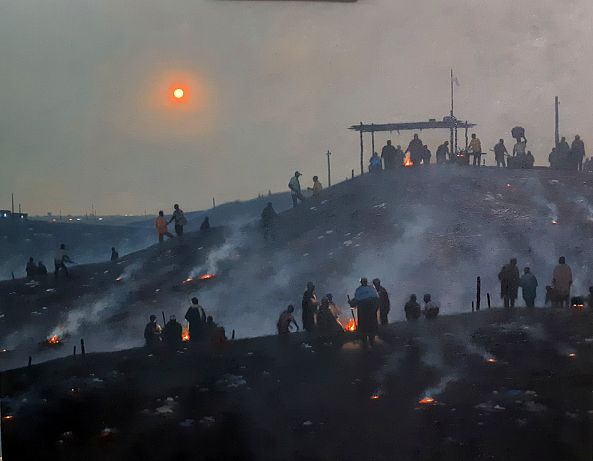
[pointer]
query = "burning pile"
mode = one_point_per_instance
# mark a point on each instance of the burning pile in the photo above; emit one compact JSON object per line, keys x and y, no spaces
{"x":53,"y":341}
{"x":408,"y":160}
{"x":191,"y":280}
{"x":185,"y":334}
{"x":427,"y":401}
{"x":350,"y":326}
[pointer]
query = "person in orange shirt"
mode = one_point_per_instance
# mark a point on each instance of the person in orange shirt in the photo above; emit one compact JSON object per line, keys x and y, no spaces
{"x":161,"y":227}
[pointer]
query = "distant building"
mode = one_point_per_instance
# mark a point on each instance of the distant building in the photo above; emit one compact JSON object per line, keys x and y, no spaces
{"x":7,"y":214}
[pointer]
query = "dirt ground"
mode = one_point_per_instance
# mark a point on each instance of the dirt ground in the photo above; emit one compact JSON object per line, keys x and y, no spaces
{"x":507,"y":385}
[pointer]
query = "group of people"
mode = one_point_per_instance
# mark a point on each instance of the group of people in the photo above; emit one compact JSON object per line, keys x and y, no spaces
{"x":568,"y":157}
{"x":296,"y":193}
{"x":201,"y":329}
{"x":180,"y":221}
{"x":35,"y":270}
{"x":558,"y":293}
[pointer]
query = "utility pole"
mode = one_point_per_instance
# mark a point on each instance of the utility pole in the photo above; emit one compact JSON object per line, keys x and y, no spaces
{"x":557,"y":122}
{"x":361,"y":152}
{"x":12,"y":207}
{"x":329,"y":170}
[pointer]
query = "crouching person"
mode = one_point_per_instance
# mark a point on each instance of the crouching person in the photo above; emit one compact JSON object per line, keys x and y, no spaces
{"x":431,"y":309}
{"x":285,"y":320}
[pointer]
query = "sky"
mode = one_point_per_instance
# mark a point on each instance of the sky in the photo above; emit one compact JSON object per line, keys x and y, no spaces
{"x":87,"y":117}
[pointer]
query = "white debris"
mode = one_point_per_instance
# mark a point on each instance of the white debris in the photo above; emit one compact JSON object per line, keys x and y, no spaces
{"x":305,"y":254}
{"x":307,"y":423}
{"x":50,"y":290}
{"x":306,"y":346}
{"x":313,"y":208}
{"x":348,"y":243}
{"x":164,"y":410}
{"x":321,"y":237}
{"x":328,"y":232}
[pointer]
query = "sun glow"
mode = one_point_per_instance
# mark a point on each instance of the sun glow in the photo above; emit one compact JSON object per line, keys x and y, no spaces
{"x":178,"y":93}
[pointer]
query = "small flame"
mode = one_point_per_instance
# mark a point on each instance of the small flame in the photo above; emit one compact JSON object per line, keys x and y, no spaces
{"x":578,"y":306}
{"x":491,"y":360}
{"x":375,"y":397}
{"x":350,"y":326}
{"x":185,"y":334}
{"x":53,"y":339}
{"x":7,"y":417}
{"x":408,"y":160}
{"x":572,"y":355}
{"x":427,"y":401}
{"x":207,"y":276}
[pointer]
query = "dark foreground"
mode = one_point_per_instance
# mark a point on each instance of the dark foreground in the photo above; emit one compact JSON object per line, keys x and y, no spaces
{"x":311,"y":399}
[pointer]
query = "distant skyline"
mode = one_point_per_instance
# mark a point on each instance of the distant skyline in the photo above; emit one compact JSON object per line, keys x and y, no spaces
{"x":87,"y":114}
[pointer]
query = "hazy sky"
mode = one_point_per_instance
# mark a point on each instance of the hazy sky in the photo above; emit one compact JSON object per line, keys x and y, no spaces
{"x":86,"y":114}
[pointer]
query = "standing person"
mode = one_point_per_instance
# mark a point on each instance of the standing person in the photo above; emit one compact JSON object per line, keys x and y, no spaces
{"x":475,"y":147}
{"x":309,"y":306}
{"x":268,"y":216}
{"x":426,"y":155}
{"x":205,"y":224}
{"x":509,"y":283}
{"x":529,"y":160}
{"x":31,"y":268}
{"x":285,"y":320}
{"x":562,"y":281}
{"x":500,"y":150}
{"x":196,"y":316}
{"x":366,"y":301}
{"x":326,"y":322}
{"x":431,"y":309}
{"x":412,"y":309}
{"x":442,"y":153}
{"x":317,"y":187}
{"x":578,"y":151}
{"x":399,"y":156}
{"x":415,"y":148}
{"x":333,"y":307}
{"x":528,"y":284}
{"x":161,"y":227}
{"x":563,"y":151}
{"x":375,"y":163}
{"x":60,"y":260}
{"x":152,"y":333}
{"x":41,"y":269}
{"x":384,"y":304}
{"x":179,"y":219}
{"x":172,"y":334}
{"x":553,"y":159}
{"x":389,"y":156}
{"x":295,"y":189}
{"x":114,"y":254}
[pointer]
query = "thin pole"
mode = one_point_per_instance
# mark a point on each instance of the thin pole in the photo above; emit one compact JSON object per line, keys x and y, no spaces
{"x":557,"y":122}
{"x":373,"y":139}
{"x":12,"y":208}
{"x":451,"y":92}
{"x":361,"y":152}
{"x":329,"y":170}
{"x":466,"y":140}
{"x":478,"y":293}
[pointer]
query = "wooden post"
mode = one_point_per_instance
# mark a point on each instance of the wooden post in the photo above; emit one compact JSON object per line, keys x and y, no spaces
{"x":353,"y":173}
{"x":478,"y":293}
{"x":233,"y":335}
{"x":213,"y":203}
{"x":556,"y":121}
{"x":164,"y":321}
{"x":82,"y":350}
{"x":373,"y":139}
{"x":466,"y":139}
{"x":74,"y":351}
{"x":30,"y":360}
{"x":361,"y":152}
{"x":488,"y":298}
{"x":329,"y":170}
{"x":473,"y":306}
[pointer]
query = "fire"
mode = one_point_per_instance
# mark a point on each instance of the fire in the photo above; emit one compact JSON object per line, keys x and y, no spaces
{"x":375,"y":397}
{"x":206,"y":276}
{"x":185,"y":334}
{"x":188,"y":280}
{"x":53,"y":339}
{"x":554,"y":221}
{"x":579,"y":307}
{"x":427,"y":401}
{"x":408,"y":160}
{"x":7,"y":417}
{"x":350,"y":326}
{"x":491,"y":360}
{"x":572,"y":355}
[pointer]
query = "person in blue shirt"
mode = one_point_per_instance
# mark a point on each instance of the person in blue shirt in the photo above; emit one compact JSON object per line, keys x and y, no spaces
{"x":366,"y":301}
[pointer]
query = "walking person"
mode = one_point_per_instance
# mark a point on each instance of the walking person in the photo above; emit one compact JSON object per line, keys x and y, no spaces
{"x":562,"y":281}
{"x":384,"y":303}
{"x":60,"y":260}
{"x":528,"y":284}
{"x":161,"y":227}
{"x":500,"y":150}
{"x":295,"y":189}
{"x":475,"y":147}
{"x":509,"y":283}
{"x":179,"y":219}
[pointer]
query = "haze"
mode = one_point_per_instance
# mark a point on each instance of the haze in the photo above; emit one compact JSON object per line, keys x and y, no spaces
{"x":84,"y":85}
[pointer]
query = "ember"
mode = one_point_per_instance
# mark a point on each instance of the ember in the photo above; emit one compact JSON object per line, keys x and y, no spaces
{"x":53,"y":340}
{"x":491,"y":360}
{"x":427,"y":401}
{"x":7,"y":417}
{"x":188,"y":280}
{"x":375,"y":397}
{"x":408,"y":160}
{"x":206,"y":276}
{"x":350,"y":326}
{"x":185,"y":334}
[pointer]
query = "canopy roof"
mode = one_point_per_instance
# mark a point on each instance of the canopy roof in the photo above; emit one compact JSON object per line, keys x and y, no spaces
{"x":447,"y":123}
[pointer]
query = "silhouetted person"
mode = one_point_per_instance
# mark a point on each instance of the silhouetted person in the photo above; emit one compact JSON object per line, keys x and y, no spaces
{"x":285,"y":320}
{"x":172,"y":332}
{"x":389,"y":156}
{"x":309,"y":306}
{"x":553,"y":159}
{"x":509,"y":283}
{"x":578,"y":151}
{"x":326,"y":322}
{"x":366,"y":301}
{"x":442,"y":153}
{"x":500,"y":150}
{"x":31,"y":268}
{"x":475,"y":147}
{"x":562,"y":281}
{"x":152,"y":333}
{"x":60,"y":260}
{"x":41,"y":269}
{"x":415,"y":148}
{"x":317,"y":187}
{"x":412,"y":309}
{"x":399,"y":156}
{"x":375,"y":163}
{"x":161,"y":227}
{"x":333,"y":307}
{"x":196,"y":316}
{"x":431,"y":309}
{"x":528,"y":284}
{"x":529,"y":160}
{"x":384,"y":303}
{"x":268,"y":218}
{"x":295,"y":189}
{"x":114,"y":254}
{"x":205,"y":224}
{"x":563,"y":151}
{"x":179,"y":219}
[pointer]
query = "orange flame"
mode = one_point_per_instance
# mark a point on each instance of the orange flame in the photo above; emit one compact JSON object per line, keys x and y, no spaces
{"x":408,"y":160}
{"x":7,"y":417}
{"x":350,"y":326}
{"x":185,"y":334}
{"x":53,"y":340}
{"x":491,"y":360}
{"x":207,"y":276}
{"x":427,"y":401}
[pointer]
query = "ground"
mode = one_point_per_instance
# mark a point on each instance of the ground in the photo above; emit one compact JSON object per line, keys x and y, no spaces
{"x":507,"y":385}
